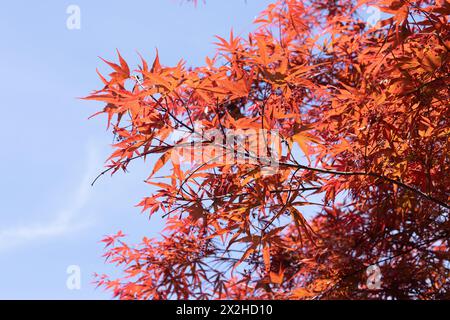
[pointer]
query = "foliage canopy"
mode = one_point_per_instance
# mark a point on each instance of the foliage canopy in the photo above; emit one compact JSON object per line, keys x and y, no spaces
{"x":363,"y":119}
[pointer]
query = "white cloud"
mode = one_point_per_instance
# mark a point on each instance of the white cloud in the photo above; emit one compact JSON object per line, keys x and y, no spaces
{"x":65,"y":221}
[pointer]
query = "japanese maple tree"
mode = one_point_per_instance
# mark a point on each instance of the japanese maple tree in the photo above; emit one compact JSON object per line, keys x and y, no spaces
{"x":361,"y":113}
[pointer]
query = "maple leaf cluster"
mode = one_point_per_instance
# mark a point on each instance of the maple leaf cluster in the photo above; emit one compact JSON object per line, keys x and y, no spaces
{"x":363,"y":116}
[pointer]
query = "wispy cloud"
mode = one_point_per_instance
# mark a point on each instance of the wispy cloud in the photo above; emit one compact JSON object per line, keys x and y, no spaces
{"x":64,"y":221}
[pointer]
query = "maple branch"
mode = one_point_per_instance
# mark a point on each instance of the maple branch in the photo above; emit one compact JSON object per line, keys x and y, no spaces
{"x":423,"y":85}
{"x":126,"y":161}
{"x":171,"y":115}
{"x":432,"y":22}
{"x":141,"y":85}
{"x":195,"y":170}
{"x":283,"y":208}
{"x":370,"y":174}
{"x":245,"y":194}
{"x":445,"y":235}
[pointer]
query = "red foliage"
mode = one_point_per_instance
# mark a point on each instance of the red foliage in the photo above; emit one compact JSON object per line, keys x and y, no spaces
{"x":362,"y":114}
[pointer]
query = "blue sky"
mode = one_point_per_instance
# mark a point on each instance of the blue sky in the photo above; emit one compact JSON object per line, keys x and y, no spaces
{"x":50,"y":215}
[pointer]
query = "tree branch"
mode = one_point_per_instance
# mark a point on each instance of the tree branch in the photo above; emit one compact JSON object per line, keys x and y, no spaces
{"x":370,"y":174}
